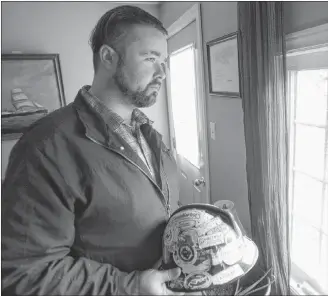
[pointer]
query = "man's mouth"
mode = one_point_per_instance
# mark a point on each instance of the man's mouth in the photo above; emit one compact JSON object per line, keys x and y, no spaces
{"x":155,"y":85}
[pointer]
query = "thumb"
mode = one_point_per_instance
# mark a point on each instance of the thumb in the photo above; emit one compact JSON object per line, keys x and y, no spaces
{"x":170,"y":274}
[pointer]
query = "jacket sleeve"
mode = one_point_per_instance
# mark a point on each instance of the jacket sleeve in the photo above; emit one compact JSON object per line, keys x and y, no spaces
{"x":38,"y":232}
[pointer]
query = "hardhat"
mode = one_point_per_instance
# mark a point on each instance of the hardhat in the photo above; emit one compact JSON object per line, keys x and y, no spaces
{"x":210,"y":246}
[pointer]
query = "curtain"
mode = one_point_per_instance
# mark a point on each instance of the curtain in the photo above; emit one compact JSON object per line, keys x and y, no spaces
{"x":263,"y":84}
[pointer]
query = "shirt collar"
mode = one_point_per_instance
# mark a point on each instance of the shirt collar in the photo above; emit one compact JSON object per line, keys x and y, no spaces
{"x":111,"y":118}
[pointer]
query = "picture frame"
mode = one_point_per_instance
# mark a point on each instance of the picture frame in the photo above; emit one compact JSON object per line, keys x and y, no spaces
{"x":224,"y":66}
{"x":32,"y":87}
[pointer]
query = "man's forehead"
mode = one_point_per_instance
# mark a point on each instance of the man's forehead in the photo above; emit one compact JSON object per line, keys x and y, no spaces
{"x":138,"y":31}
{"x":147,"y":39}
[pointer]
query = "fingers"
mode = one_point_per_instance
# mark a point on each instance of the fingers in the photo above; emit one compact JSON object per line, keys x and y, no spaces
{"x":195,"y":293}
{"x":158,"y":264}
{"x":172,"y":293}
{"x":169,"y":275}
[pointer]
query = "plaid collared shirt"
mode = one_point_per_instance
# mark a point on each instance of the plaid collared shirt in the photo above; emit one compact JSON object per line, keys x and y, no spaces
{"x":131,"y":134}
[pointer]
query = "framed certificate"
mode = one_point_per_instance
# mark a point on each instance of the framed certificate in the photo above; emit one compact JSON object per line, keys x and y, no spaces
{"x":223,"y":65}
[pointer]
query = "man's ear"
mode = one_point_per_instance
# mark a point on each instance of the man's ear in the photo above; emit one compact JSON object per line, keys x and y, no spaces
{"x":108,"y":56}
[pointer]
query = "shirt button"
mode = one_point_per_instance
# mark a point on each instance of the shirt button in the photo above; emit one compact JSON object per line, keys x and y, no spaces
{"x":121,"y":148}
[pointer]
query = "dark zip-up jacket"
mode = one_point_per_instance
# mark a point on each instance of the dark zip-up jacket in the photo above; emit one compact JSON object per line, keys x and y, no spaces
{"x":78,"y":210}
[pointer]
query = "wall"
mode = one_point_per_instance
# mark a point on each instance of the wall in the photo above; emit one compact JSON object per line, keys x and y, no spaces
{"x":227,"y":154}
{"x":64,"y":28}
{"x":303,"y":15}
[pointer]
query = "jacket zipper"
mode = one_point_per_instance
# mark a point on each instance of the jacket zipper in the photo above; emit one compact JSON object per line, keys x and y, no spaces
{"x":166,"y":204}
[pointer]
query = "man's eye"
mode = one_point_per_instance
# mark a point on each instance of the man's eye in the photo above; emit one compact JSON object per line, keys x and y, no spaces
{"x":151,"y":60}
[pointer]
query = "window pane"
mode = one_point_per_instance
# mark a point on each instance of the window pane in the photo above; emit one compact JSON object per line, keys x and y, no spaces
{"x":183,"y":94}
{"x":323,"y":274}
{"x":311,"y":101}
{"x":305,"y":247}
{"x":309,"y":150}
{"x":325,"y":212}
{"x":308,"y":195}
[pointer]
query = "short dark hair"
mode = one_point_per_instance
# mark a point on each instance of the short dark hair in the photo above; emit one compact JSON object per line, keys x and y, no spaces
{"x":114,"y":22}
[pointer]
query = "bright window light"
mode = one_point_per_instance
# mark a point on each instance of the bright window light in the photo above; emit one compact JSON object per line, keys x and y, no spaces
{"x":183,"y":98}
{"x":309,"y":178}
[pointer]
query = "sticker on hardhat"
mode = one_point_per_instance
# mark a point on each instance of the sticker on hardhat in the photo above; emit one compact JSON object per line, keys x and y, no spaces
{"x":230,"y":236}
{"x":250,"y":252}
{"x":177,"y":284}
{"x":198,"y":281}
{"x":227,"y":275}
{"x":168,"y":236}
{"x":192,"y":215}
{"x":210,"y":240}
{"x":189,"y":236}
{"x":201,"y":267}
{"x":185,"y":224}
{"x":185,"y":254}
{"x":216,"y":257}
{"x":232,"y":252}
{"x":224,"y":228}
{"x":208,"y":225}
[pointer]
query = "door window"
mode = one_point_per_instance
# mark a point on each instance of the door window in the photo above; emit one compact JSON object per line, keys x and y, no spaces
{"x":183,"y":94}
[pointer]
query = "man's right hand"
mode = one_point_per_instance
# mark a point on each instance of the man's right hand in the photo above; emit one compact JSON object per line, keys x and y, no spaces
{"x":152,"y":281}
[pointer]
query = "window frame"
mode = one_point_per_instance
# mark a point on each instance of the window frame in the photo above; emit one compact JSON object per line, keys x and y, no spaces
{"x":309,"y":39}
{"x":301,"y":282}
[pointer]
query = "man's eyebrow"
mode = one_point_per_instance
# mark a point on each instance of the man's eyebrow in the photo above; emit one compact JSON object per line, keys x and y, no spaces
{"x":153,"y":52}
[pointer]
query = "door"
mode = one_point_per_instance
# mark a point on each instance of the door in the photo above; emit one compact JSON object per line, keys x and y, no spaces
{"x":187,"y":107}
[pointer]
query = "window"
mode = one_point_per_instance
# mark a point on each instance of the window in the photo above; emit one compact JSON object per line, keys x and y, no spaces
{"x":308,"y":192}
{"x":184,"y":103}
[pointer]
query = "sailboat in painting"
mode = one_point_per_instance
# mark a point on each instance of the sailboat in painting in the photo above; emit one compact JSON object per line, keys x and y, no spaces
{"x":24,"y":113}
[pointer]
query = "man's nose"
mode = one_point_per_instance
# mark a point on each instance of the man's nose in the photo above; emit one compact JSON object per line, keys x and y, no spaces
{"x":160,"y":72}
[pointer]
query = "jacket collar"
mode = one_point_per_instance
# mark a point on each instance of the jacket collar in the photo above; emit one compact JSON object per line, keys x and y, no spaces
{"x":97,"y":129}
{"x":94,"y":126}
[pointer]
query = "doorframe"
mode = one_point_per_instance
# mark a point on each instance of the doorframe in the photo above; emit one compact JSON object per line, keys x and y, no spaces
{"x":193,"y":14}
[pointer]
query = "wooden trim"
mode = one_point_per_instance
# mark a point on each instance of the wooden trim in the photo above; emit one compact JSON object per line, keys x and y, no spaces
{"x":315,"y":35}
{"x":203,"y":100}
{"x":183,"y":21}
{"x":322,"y":29}
{"x":308,"y":50}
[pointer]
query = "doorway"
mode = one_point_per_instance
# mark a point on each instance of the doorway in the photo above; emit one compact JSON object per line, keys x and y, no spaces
{"x":187,"y":106}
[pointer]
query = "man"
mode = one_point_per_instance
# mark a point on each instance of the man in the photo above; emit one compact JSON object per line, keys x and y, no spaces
{"x":89,"y":188}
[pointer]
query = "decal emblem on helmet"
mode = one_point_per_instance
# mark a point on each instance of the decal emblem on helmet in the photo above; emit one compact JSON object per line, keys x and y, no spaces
{"x":186,"y":253}
{"x":198,"y":281}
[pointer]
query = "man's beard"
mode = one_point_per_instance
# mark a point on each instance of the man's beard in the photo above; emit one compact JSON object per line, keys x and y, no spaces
{"x":138,"y":98}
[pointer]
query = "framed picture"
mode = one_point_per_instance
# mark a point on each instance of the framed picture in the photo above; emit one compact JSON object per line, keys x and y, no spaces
{"x":223,"y":66}
{"x":32,"y":87}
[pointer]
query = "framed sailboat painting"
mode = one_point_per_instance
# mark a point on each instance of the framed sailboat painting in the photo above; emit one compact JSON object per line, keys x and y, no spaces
{"x":32,"y":87}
